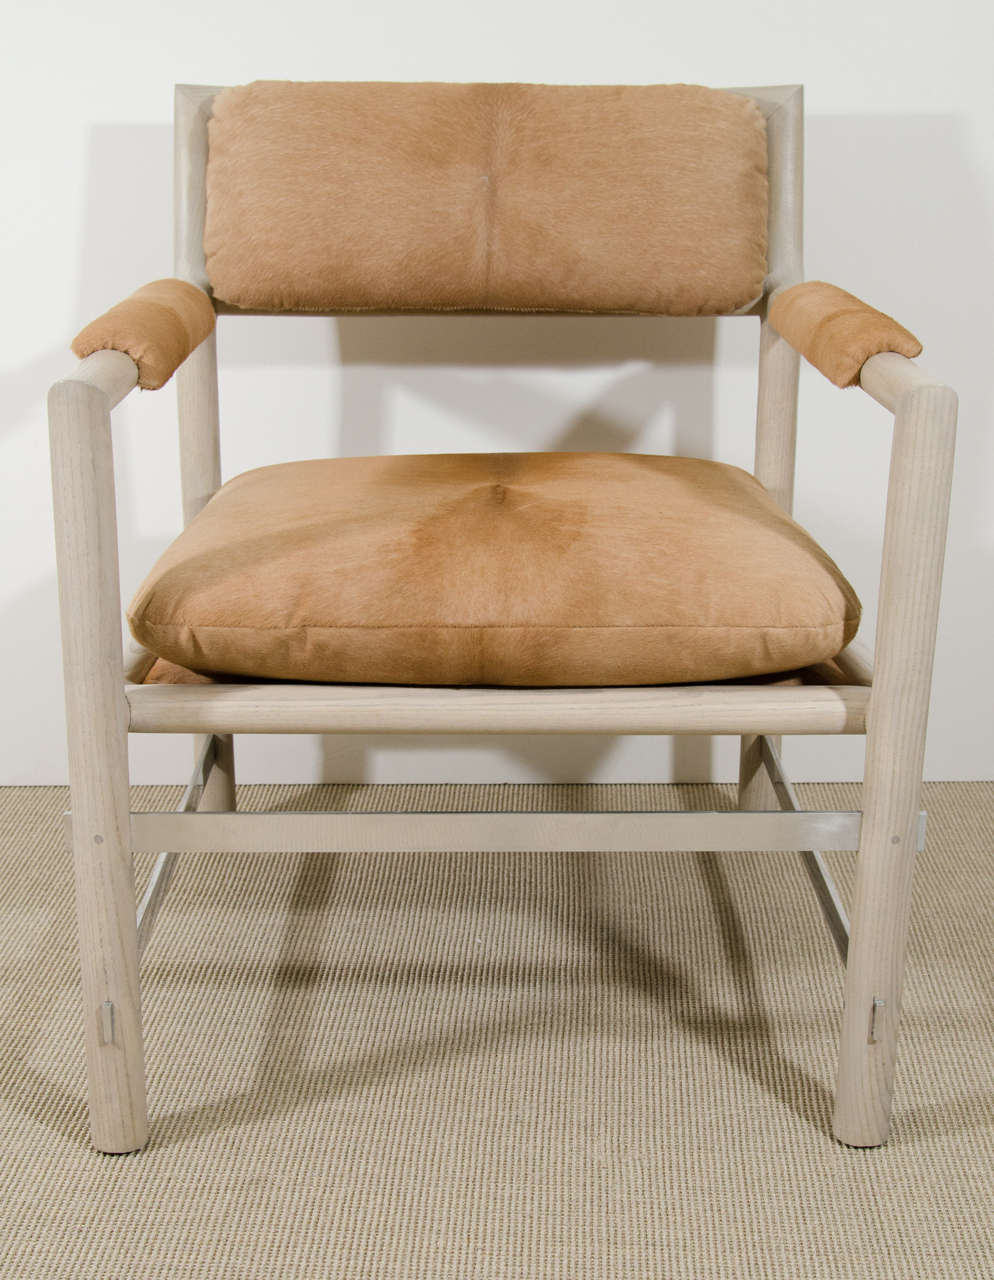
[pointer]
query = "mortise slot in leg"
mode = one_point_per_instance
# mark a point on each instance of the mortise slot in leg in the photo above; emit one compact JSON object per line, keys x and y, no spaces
{"x":877,"y":1008}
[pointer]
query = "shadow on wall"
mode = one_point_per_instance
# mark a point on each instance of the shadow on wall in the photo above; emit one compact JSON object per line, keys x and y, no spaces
{"x":126,"y":240}
{"x":871,"y":226}
{"x":896,"y":211}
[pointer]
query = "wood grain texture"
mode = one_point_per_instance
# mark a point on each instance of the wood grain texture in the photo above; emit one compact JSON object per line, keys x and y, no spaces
{"x":776,"y":415}
{"x":856,"y":663}
{"x":319,"y":708}
{"x":97,"y":719}
{"x":888,"y":377}
{"x":914,"y":545}
{"x":755,"y":788}
{"x":199,"y":428}
{"x":191,"y":113}
{"x":779,"y":364}
{"x":197,"y":386}
{"x":111,"y":373}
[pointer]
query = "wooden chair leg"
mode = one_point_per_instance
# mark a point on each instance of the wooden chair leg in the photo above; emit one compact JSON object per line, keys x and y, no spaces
{"x":219,"y":793}
{"x":755,"y":788}
{"x":108,"y":945}
{"x":97,"y":729}
{"x":876,"y":960}
{"x":917,"y":512}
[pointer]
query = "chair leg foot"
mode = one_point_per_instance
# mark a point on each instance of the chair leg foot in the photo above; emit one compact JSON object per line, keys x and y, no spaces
{"x":111,"y":997}
{"x":874,"y":974}
{"x":866,"y":1075}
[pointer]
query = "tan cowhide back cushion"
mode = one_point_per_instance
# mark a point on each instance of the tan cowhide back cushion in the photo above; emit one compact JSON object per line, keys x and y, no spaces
{"x":344,"y":197}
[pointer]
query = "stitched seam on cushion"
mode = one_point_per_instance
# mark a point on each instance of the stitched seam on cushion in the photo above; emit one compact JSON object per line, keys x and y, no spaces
{"x":504,"y":626}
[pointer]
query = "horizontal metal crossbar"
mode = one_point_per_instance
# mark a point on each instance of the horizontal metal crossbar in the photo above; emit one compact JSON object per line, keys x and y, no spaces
{"x":492,"y":832}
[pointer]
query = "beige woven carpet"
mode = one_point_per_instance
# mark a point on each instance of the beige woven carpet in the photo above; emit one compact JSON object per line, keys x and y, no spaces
{"x":511,"y":1066}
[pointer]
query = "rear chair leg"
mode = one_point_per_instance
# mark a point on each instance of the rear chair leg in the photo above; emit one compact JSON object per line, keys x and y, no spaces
{"x":755,"y":788}
{"x":219,"y":793}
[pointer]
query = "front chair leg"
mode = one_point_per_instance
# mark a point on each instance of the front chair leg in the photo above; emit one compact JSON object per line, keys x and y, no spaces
{"x":108,"y":945}
{"x":875,"y":970}
{"x":914,"y":538}
{"x":97,"y":729}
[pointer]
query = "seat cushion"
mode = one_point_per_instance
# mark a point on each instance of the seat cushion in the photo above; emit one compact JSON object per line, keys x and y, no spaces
{"x":546,"y":569}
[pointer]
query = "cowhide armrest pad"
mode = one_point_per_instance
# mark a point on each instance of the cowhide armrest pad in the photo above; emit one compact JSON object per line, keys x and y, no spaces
{"x":835,"y":331}
{"x":158,"y":326}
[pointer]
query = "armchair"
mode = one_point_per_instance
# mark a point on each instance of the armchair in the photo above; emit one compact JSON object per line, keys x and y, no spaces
{"x":509,"y":215}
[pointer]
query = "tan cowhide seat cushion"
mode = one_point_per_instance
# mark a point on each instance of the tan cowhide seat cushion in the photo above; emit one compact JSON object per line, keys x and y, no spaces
{"x":499,"y":569}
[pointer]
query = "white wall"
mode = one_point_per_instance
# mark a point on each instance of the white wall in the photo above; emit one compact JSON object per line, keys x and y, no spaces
{"x":899,"y":196}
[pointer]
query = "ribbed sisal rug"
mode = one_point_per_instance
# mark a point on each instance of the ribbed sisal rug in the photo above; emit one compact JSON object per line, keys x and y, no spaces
{"x":509,"y":1066}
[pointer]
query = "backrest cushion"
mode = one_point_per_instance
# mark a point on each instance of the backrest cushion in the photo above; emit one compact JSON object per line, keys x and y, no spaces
{"x":344,"y":197}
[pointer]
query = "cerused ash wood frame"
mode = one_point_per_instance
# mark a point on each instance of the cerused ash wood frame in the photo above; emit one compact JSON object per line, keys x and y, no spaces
{"x":887,"y":700}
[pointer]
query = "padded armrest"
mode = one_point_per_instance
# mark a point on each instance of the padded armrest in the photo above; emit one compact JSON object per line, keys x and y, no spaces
{"x":835,"y":331}
{"x":157,"y":326}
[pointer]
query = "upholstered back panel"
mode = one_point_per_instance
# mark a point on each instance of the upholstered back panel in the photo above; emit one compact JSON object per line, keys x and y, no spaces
{"x":346,"y":197}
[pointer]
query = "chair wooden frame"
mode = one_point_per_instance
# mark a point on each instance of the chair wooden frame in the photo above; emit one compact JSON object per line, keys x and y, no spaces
{"x":886,"y":699}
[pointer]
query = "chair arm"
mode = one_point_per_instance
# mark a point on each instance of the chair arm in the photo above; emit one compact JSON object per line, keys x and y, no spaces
{"x":112,"y":373}
{"x":158,"y":326}
{"x":889,"y":377}
{"x":854,"y":345}
{"x":835,"y":331}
